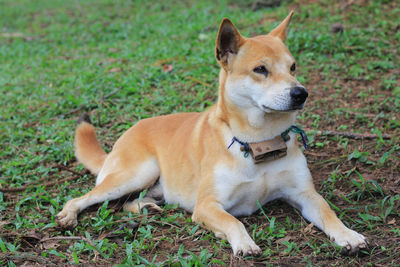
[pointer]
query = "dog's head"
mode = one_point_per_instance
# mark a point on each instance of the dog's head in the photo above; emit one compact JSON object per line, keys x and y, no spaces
{"x":260,"y":71}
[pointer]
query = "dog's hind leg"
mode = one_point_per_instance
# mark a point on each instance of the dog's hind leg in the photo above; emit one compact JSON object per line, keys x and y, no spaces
{"x":123,"y":178}
{"x":153,"y":198}
{"x":137,"y":205}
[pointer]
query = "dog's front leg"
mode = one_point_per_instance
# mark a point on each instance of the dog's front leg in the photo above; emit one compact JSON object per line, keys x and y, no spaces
{"x":315,"y":209}
{"x":211,"y":214}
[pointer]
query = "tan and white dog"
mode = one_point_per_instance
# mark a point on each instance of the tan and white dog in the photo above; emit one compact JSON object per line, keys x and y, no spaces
{"x":184,"y":157}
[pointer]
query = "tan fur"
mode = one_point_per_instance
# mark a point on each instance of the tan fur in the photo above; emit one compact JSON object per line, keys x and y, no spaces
{"x":87,"y":149}
{"x":187,"y":153}
{"x":281,"y":30}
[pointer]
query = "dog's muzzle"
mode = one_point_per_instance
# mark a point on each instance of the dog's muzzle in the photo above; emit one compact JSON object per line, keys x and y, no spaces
{"x":298,"y":96}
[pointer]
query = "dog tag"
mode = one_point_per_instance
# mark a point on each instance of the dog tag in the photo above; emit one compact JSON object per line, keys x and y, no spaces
{"x":268,"y":150}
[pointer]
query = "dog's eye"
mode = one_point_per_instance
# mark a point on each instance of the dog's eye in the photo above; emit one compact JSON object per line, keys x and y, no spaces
{"x":293,"y":67}
{"x":261,"y":70}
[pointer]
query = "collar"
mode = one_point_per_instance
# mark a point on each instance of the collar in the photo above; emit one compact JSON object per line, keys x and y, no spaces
{"x":270,"y":149}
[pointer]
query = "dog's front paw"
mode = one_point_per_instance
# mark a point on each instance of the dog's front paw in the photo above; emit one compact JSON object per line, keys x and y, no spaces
{"x":246,"y":247}
{"x":350,"y":241}
{"x":67,"y":219}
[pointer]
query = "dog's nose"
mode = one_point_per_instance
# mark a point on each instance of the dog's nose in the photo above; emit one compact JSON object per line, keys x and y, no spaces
{"x":299,"y":95}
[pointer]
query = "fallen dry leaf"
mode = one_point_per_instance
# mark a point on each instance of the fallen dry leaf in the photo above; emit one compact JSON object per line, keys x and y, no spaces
{"x":162,"y":62}
{"x":114,"y":50}
{"x":286,"y":238}
{"x":118,"y":69}
{"x":337,"y":27}
{"x":111,"y":60}
{"x":392,"y":221}
{"x":12,"y":34}
{"x":309,"y":227}
{"x":34,"y":234}
{"x":199,"y":232}
{"x":51,"y":244}
{"x":167,"y":68}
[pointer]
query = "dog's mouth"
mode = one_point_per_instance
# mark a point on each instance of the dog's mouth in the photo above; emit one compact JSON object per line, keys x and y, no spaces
{"x":291,"y":109}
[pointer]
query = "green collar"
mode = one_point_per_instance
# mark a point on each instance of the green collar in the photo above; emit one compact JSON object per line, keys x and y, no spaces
{"x":271,"y":149}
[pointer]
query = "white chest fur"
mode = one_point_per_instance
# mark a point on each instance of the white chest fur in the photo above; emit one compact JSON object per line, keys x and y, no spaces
{"x":241,"y":188}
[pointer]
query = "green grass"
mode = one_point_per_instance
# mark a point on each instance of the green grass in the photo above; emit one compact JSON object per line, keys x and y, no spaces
{"x":59,"y":59}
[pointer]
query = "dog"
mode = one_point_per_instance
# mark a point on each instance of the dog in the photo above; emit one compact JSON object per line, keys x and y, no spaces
{"x":226,"y":161}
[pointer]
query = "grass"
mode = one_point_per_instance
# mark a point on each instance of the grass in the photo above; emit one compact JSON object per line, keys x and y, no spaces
{"x":127,"y":60}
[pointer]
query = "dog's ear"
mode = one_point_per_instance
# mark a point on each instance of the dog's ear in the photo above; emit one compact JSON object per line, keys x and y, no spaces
{"x":228,"y":42}
{"x":281,"y":30}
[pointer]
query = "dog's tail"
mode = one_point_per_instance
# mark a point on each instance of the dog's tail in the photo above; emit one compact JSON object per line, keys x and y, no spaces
{"x":88,"y":150}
